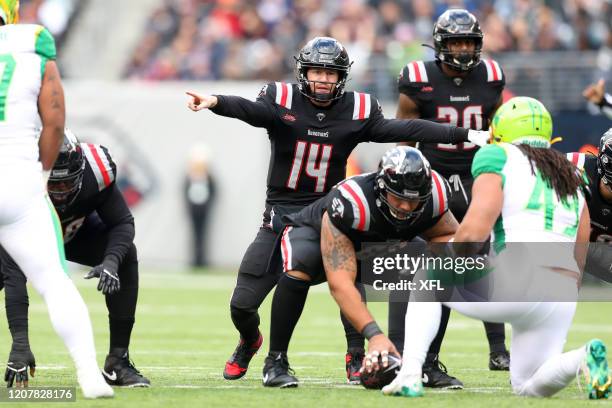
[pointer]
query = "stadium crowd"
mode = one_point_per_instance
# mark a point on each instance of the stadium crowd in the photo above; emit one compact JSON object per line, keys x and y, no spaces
{"x":235,"y":40}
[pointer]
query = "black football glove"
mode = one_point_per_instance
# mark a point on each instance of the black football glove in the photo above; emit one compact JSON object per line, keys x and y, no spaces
{"x":17,"y":368}
{"x":109,"y":280}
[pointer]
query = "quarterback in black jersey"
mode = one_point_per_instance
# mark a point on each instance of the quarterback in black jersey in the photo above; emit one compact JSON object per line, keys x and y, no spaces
{"x":98,"y":230}
{"x":405,"y":198}
{"x":462,"y":89}
{"x":313,"y":125}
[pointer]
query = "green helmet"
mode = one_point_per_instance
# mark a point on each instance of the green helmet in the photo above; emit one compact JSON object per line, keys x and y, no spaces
{"x":522,"y":120}
{"x":9,"y":11}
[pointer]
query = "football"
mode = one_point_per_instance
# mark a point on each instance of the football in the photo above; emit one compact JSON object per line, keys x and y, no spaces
{"x":378,"y":379}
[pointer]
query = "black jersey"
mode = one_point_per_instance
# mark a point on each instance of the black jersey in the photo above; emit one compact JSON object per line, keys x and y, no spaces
{"x":600,"y":210}
{"x":351,"y":207}
{"x":468,"y":102}
{"x":100,"y":194}
{"x":311,"y":145}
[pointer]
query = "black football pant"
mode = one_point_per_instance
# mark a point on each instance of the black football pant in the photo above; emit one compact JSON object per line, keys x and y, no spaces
{"x":459,"y":203}
{"x":86,"y":248}
{"x":255,"y":280}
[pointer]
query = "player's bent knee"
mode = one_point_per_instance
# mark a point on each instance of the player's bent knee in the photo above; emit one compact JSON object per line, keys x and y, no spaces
{"x":299,"y":275}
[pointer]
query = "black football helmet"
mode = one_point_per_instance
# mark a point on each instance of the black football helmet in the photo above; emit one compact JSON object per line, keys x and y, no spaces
{"x":322,"y":52}
{"x":405,"y":173}
{"x":452,"y":24}
{"x":66,"y":175}
{"x":604,"y":158}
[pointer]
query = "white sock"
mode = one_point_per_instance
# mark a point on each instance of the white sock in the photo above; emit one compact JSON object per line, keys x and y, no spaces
{"x":422,"y":322}
{"x":70,"y":319}
{"x":554,"y":375}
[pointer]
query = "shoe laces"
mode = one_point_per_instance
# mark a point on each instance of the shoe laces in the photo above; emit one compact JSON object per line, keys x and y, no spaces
{"x":282,"y":363}
{"x":436,"y":364}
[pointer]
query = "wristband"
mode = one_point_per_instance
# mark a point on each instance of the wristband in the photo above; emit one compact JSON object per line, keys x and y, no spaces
{"x":370,"y":330}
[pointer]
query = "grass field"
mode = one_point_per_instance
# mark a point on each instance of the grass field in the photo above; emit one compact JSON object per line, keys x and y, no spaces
{"x":183,"y":336}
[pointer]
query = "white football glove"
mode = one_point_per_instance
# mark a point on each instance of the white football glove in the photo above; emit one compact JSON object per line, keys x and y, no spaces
{"x":479,"y":137}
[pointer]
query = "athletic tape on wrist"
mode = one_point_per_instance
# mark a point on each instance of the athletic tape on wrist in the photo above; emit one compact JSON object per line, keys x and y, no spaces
{"x":370,"y":330}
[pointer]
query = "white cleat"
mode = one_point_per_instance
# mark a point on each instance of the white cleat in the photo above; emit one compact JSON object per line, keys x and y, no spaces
{"x":405,"y":385}
{"x":93,"y":385}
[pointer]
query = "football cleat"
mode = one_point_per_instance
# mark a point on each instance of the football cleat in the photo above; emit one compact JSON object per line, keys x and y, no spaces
{"x":354,"y":360}
{"x":119,"y":371}
{"x":93,"y":385}
{"x":405,"y":385}
{"x":499,"y":361}
{"x":238,"y":364}
{"x":597,"y":374}
{"x":277,"y":373}
{"x":435,"y":375}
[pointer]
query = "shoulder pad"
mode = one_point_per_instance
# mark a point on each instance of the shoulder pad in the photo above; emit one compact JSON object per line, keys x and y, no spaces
{"x":362,"y":105}
{"x":354,"y":195}
{"x":577,"y":159}
{"x":28,"y":38}
{"x":101,"y":163}
{"x":494,"y":71}
{"x":283,"y":94}
{"x":440,"y":194}
{"x":415,"y":72}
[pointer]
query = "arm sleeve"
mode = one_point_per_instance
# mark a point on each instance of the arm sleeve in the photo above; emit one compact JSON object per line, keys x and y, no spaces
{"x":260,"y":113}
{"x":490,"y":159}
{"x":381,"y":130}
{"x":116,"y":215}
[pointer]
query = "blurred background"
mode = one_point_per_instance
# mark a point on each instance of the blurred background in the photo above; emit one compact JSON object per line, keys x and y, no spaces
{"x":127,"y":64}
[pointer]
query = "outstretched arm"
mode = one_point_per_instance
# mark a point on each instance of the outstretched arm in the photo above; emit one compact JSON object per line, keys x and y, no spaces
{"x":407,"y":109}
{"x":258,"y":113}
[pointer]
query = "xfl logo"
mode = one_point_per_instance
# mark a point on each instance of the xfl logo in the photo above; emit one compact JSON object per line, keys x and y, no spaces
{"x":337,"y":208}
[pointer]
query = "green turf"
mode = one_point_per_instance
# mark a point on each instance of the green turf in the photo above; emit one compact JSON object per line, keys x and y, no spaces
{"x":183,"y":336}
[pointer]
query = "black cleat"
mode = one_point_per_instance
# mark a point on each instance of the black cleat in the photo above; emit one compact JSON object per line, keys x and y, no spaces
{"x":499,"y":361}
{"x":354,"y":360}
{"x":238,"y":364}
{"x":436,"y":376}
{"x":276,"y":371}
{"x":119,"y":371}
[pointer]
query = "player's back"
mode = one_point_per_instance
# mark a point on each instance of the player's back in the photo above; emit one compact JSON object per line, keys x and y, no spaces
{"x":24,"y":51}
{"x":531,"y":210}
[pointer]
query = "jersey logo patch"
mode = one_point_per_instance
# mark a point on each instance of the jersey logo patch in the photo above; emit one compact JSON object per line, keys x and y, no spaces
{"x":337,"y":208}
{"x":289,"y":117}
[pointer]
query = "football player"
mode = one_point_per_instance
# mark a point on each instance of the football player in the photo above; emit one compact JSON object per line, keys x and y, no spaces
{"x":596,"y":94}
{"x":405,"y":198}
{"x":522,"y":178}
{"x":460,"y":88}
{"x":98,"y":230}
{"x":598,"y":171}
{"x":31,"y":98}
{"x":313,"y":125}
